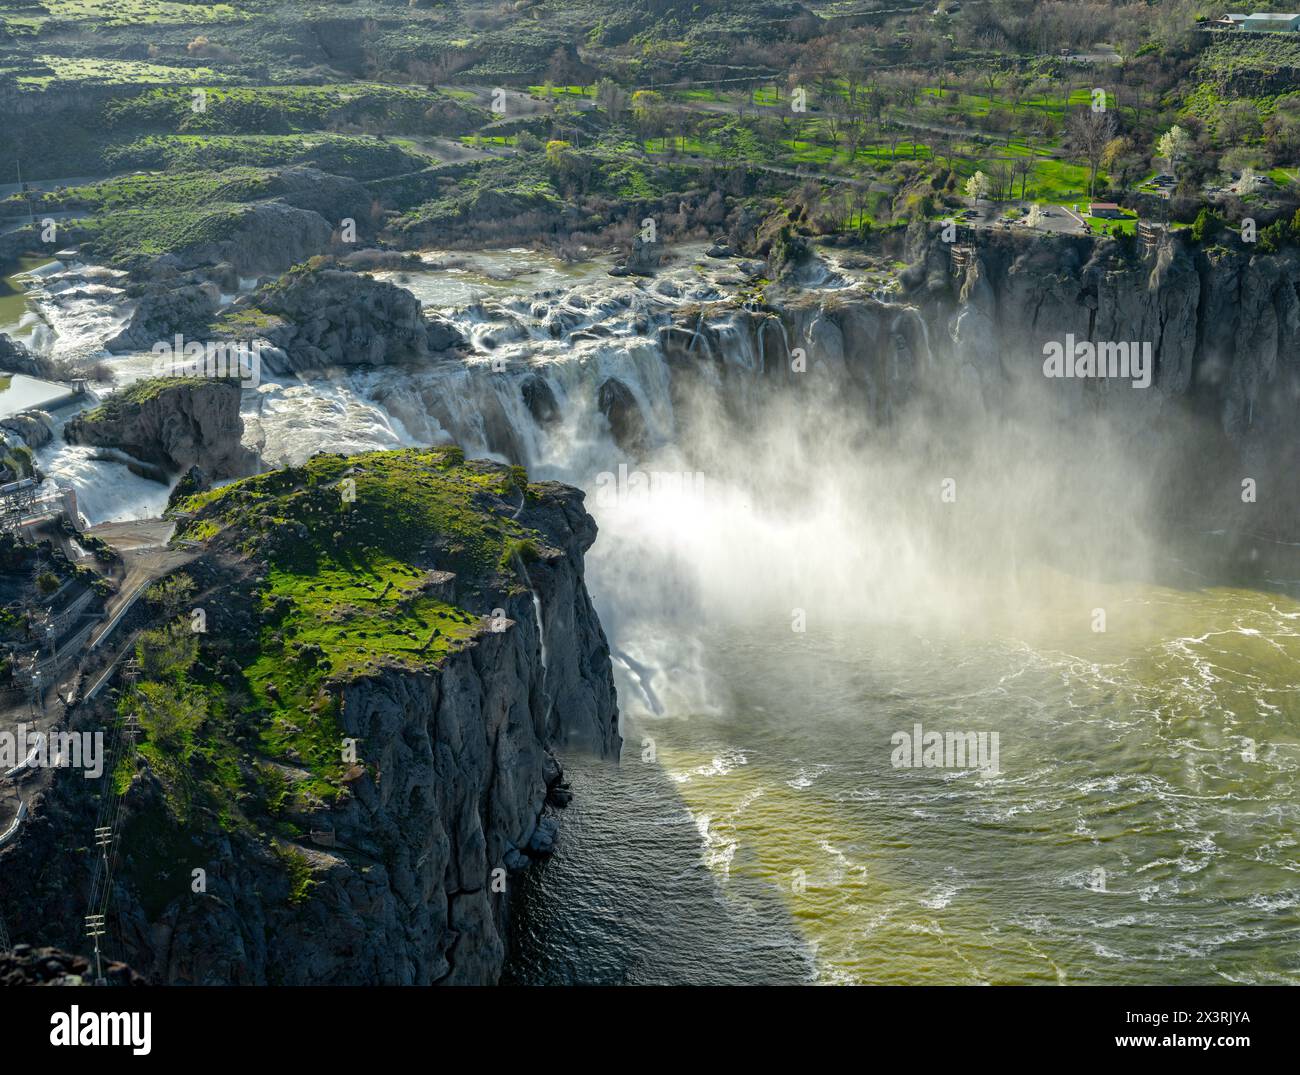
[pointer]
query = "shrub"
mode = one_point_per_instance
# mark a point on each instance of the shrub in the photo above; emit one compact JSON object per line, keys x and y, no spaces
{"x":1206,"y":226}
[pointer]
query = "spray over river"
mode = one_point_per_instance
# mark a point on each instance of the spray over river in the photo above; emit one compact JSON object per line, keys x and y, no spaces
{"x":786,"y":591}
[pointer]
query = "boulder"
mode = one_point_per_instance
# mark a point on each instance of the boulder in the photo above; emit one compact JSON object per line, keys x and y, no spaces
{"x":540,"y":400}
{"x":34,"y":427}
{"x":443,"y":335}
{"x":15,"y":358}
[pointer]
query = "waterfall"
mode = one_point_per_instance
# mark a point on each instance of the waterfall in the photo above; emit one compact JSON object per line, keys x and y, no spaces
{"x":661,"y":569}
{"x":537,"y":601}
{"x":537,"y":611}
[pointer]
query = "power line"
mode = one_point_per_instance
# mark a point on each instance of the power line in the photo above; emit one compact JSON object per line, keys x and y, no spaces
{"x":108,"y":825}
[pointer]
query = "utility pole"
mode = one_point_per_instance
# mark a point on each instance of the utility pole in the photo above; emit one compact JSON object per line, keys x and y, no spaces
{"x":95,"y":929}
{"x":95,"y":923}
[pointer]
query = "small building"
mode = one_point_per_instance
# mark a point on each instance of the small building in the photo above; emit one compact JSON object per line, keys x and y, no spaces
{"x":1231,"y":22}
{"x":1261,"y":21}
{"x":1107,"y":210}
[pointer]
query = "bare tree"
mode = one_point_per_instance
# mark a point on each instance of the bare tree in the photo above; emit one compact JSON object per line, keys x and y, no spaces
{"x":893,"y":135}
{"x":611,"y":97}
{"x":1090,"y":132}
{"x":1021,"y":167}
{"x":1015,"y":91}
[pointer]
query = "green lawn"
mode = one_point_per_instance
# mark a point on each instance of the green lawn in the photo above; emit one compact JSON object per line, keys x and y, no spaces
{"x":1101,"y":224}
{"x":978,"y":105}
{"x":563,"y":91}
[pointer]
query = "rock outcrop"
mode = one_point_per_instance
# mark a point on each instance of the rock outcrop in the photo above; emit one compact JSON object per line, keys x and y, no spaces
{"x":267,"y":238}
{"x":16,"y":358}
{"x":335,"y":198}
{"x":396,"y":868}
{"x":540,"y":400}
{"x":164,"y":309}
{"x":332,"y":318}
{"x":36,"y":428}
{"x":626,"y":422}
{"x":174,"y":423}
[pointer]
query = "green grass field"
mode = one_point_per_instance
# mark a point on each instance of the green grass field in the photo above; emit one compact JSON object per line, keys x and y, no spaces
{"x":114,"y":72}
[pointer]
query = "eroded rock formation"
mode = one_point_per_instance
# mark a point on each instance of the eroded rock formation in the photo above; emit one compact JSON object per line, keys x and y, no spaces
{"x":174,"y":423}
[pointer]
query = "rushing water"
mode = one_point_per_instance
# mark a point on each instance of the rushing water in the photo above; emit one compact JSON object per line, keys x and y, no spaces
{"x":1142,"y":828}
{"x":776,"y":626}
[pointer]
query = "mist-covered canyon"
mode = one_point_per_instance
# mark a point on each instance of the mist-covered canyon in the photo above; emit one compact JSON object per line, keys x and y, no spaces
{"x":557,"y":494}
{"x":836,"y":515}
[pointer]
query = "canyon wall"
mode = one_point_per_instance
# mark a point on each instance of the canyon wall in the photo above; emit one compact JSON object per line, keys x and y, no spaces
{"x":406,"y":876}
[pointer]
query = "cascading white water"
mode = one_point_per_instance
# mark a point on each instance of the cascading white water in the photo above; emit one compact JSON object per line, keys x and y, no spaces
{"x":784,"y":585}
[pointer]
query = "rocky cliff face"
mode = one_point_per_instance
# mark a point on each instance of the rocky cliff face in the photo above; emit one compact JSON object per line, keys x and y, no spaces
{"x":458,"y":796}
{"x":1223,"y":325}
{"x":397,"y":867}
{"x":164,"y":309}
{"x":174,"y":423}
{"x":966,"y":350}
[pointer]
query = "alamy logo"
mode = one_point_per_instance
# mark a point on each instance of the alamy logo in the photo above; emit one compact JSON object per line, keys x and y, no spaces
{"x":945,"y":750}
{"x":1075,"y":358}
{"x":630,"y":486}
{"x":220,"y":359}
{"x":76,"y":1027}
{"x":58,"y":750}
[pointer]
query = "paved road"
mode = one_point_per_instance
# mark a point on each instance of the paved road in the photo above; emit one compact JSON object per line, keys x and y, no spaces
{"x":16,"y":824}
{"x":31,"y":756}
{"x":143,"y":545}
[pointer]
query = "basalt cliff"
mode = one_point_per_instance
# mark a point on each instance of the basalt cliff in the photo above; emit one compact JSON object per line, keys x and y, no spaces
{"x":351,"y":706}
{"x":964,"y":342}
